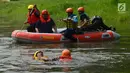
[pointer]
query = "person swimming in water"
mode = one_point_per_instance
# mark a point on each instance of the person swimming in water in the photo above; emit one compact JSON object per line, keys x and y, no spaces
{"x":65,"y":56}
{"x":38,"y":55}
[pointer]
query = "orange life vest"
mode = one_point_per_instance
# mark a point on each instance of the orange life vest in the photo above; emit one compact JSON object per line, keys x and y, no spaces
{"x":43,"y":20}
{"x":32,"y":18}
{"x":65,"y":59}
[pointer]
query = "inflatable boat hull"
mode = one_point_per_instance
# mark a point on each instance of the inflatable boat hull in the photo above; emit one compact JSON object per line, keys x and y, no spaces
{"x":29,"y":37}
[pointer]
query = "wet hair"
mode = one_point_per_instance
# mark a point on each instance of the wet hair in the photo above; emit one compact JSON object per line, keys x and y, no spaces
{"x":39,"y":52}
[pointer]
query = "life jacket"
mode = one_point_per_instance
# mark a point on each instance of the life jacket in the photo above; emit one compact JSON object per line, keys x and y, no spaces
{"x":36,"y":58}
{"x":43,"y":20}
{"x":72,"y":24}
{"x":65,"y":59}
{"x":32,"y":18}
{"x":85,"y":17}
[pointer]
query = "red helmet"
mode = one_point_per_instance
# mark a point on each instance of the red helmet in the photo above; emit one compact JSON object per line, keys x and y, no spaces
{"x":45,"y":12}
{"x":81,"y":9}
{"x":69,"y":10}
{"x":66,"y":53}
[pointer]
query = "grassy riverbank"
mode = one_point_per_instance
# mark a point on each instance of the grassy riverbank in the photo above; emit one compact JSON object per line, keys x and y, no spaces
{"x":14,"y":13}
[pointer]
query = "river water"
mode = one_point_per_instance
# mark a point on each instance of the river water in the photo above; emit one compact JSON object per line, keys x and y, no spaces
{"x":103,"y":57}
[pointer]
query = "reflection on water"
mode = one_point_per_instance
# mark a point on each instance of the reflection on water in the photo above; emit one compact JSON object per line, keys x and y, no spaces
{"x":103,"y":57}
{"x":71,"y":45}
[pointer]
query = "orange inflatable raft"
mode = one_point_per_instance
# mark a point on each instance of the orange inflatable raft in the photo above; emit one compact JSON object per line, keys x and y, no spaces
{"x":29,"y":37}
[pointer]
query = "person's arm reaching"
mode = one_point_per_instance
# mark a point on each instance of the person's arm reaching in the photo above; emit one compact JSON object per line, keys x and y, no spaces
{"x":55,"y":28}
{"x":37,"y":26}
{"x":37,"y":31}
{"x":84,"y":22}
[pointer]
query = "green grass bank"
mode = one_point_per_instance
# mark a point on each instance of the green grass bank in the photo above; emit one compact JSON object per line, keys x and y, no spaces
{"x":13,"y":13}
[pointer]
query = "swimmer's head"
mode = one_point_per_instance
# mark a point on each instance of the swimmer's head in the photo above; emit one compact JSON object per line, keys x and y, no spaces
{"x":38,"y":54}
{"x":66,"y":53}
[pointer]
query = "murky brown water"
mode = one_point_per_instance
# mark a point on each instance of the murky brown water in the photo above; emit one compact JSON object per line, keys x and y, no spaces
{"x":103,"y":57}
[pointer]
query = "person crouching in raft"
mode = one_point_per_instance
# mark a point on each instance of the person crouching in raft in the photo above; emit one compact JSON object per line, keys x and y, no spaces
{"x":32,"y":17}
